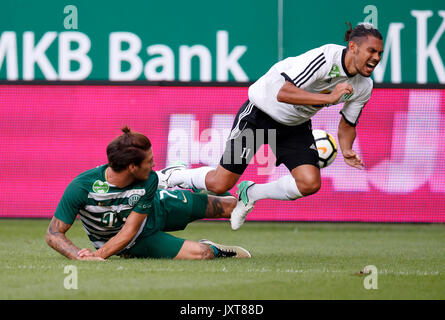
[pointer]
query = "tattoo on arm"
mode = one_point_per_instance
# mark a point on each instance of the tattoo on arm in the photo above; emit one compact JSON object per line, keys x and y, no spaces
{"x":56,"y":239}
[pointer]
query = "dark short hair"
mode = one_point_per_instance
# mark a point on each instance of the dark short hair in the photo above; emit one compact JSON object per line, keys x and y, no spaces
{"x":128,"y":148}
{"x":362,"y":30}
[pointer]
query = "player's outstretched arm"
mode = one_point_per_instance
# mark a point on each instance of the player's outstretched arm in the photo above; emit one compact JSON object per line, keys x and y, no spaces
{"x":56,"y":239}
{"x":123,"y":237}
{"x":346,"y":138}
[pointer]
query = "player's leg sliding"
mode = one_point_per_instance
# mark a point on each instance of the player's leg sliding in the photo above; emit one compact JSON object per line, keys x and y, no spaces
{"x":209,"y":250}
{"x":165,"y":176}
{"x":177,"y":175}
{"x":195,"y":178}
{"x":248,"y":192}
{"x":223,"y":251}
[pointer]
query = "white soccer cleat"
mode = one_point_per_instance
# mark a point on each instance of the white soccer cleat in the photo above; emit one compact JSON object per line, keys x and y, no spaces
{"x":243,"y":206}
{"x":227,"y":251}
{"x":165,"y":174}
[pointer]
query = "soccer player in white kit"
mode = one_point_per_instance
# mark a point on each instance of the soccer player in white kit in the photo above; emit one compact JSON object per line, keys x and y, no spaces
{"x":282,"y":102}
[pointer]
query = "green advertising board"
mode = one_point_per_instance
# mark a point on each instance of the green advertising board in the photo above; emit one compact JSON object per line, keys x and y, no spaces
{"x":207,"y":40}
{"x":413,"y":32}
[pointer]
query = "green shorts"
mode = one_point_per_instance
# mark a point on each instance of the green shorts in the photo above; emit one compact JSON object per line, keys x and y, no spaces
{"x":176,"y":209}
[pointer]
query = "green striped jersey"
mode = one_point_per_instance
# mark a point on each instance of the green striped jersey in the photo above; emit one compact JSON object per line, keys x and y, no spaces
{"x":103,"y":208}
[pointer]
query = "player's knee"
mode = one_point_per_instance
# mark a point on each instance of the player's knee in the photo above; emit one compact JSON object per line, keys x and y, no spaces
{"x":219,"y":188}
{"x":309,"y":186}
{"x":220,"y":180}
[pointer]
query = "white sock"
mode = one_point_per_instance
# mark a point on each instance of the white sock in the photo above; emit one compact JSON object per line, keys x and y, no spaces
{"x":191,"y":177}
{"x":284,"y":188}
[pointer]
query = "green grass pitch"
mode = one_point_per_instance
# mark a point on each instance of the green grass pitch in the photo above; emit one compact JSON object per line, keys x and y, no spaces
{"x":289,"y":261}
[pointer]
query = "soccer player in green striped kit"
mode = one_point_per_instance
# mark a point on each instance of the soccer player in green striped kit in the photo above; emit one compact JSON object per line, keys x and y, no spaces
{"x":123,"y":212}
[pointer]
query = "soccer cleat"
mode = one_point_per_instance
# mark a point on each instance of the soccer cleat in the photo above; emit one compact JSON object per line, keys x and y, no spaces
{"x":243,"y":206}
{"x":227,"y":251}
{"x":165,"y":174}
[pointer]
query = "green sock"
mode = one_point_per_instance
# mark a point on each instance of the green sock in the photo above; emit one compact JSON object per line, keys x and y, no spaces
{"x":215,"y":251}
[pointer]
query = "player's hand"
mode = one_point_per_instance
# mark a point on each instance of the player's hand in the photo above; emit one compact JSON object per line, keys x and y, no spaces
{"x":91,"y":259}
{"x":87,"y":254}
{"x":340,"y":90}
{"x":353,"y":159}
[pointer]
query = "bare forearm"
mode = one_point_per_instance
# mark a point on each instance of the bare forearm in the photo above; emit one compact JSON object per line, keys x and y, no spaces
{"x":115,"y":244}
{"x":346,"y":136}
{"x":294,"y":95}
{"x":62,"y":244}
{"x":123,"y":237}
{"x":289,"y":93}
{"x":56,"y":239}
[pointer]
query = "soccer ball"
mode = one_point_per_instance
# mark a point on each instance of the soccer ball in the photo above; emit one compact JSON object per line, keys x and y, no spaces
{"x":326,"y":146}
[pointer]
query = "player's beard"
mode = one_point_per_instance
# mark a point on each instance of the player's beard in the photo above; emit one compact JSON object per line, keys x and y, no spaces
{"x":363,"y":74}
{"x":365,"y":66}
{"x":360,"y":69}
{"x":141,"y":176}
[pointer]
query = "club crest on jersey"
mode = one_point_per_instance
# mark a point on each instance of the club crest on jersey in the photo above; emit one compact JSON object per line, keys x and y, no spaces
{"x":101,"y":186}
{"x":335,"y":71}
{"x":133,"y":200}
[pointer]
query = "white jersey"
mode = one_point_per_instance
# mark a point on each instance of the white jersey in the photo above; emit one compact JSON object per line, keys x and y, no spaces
{"x":317,"y":71}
